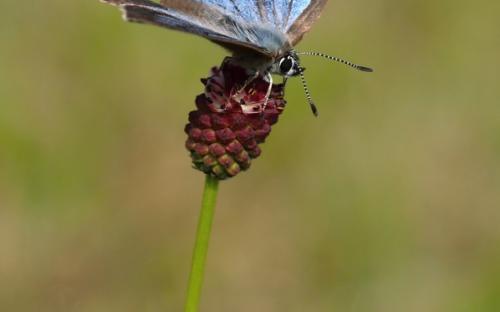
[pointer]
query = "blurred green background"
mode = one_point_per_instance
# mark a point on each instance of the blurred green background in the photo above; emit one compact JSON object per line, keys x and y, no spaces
{"x":389,"y":201}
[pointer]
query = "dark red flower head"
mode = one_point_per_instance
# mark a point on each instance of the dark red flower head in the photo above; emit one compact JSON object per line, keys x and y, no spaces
{"x":231,"y":120}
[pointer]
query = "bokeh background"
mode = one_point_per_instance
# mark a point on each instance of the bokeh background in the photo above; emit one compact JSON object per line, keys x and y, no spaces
{"x":389,"y":201}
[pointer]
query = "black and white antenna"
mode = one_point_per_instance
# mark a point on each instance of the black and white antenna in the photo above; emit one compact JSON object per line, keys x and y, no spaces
{"x":314,"y":109}
{"x":337,"y":59}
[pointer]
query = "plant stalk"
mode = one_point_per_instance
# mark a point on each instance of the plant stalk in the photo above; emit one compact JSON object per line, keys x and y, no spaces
{"x":201,"y":244}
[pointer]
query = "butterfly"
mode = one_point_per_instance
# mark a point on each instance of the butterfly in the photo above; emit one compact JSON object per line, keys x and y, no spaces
{"x":261,"y":34}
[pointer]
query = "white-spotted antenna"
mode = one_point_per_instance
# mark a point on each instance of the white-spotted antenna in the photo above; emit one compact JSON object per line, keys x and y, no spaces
{"x":337,"y":59}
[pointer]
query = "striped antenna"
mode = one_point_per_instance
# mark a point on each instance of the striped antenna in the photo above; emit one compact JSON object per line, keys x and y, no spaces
{"x":337,"y":59}
{"x":308,"y":94}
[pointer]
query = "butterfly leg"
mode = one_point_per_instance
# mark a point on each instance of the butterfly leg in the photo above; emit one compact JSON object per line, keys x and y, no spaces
{"x":269,"y":89}
{"x":241,"y":89}
{"x":285,"y":79}
{"x":238,"y":95}
{"x":248,"y":82}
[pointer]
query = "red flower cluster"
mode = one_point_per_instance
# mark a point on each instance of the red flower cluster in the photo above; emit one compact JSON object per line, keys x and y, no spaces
{"x":231,"y":120}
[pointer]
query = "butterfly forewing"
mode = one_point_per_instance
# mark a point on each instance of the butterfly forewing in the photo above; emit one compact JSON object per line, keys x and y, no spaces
{"x":303,"y":13}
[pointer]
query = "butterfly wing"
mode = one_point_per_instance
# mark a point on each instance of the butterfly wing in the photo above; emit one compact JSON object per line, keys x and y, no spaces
{"x":291,"y":17}
{"x":268,"y":27}
{"x":301,"y":16}
{"x":250,"y":11}
{"x":206,"y":20}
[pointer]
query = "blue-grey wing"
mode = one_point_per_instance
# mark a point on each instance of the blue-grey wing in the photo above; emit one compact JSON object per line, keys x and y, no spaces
{"x":250,"y":11}
{"x":292,"y":17}
{"x":204,"y":19}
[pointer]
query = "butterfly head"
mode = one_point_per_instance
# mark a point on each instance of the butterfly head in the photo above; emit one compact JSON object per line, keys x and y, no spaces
{"x":288,"y":65}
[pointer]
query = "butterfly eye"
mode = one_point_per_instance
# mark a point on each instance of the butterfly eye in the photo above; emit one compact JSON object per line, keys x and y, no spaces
{"x":286,"y":65}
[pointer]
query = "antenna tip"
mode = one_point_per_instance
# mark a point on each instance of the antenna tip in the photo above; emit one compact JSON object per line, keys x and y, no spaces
{"x":364,"y":68}
{"x":314,"y":109}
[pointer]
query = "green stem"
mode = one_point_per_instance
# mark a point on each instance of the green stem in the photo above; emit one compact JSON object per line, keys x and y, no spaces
{"x":201,"y":244}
